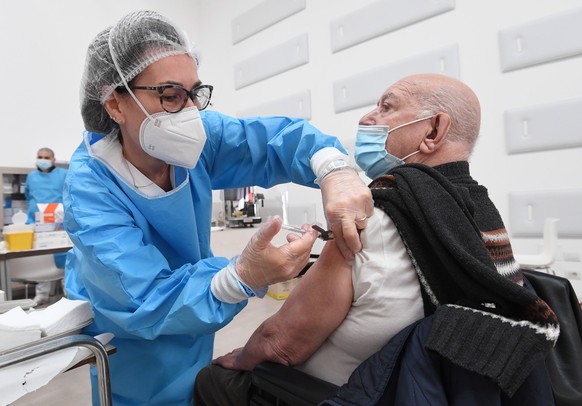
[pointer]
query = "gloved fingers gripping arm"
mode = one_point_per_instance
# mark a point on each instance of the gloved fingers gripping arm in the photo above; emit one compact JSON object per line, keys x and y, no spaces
{"x":347,"y":203}
{"x":262,"y":264}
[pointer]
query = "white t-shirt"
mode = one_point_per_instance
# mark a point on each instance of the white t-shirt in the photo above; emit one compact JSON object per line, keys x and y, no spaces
{"x":386,"y":299}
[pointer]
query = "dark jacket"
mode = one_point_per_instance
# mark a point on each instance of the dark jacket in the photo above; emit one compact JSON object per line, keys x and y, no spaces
{"x":564,"y":362}
{"x":404,"y":373}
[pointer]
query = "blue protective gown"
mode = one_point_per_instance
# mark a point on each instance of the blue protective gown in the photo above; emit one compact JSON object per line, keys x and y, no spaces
{"x":145,"y":264}
{"x":43,"y":187}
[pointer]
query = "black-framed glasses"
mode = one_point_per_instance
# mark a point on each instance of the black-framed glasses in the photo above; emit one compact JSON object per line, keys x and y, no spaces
{"x":173,"y":98}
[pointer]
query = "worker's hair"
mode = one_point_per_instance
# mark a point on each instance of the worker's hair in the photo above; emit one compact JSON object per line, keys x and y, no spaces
{"x":136,"y":41}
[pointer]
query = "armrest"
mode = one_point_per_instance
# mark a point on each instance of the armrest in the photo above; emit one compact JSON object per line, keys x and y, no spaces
{"x":276,"y":382}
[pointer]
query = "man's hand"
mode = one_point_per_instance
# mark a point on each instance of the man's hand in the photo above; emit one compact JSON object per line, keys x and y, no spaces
{"x":262,"y":264}
{"x":347,"y":203}
{"x":232,"y":361}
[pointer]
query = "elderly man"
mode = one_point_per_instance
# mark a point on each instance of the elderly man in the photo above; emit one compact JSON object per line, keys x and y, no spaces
{"x":436,"y":245}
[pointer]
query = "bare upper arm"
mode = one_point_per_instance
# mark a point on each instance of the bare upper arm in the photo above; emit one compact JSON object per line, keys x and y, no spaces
{"x":314,"y":309}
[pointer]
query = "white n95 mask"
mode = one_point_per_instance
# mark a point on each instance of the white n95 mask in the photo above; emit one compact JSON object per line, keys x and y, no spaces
{"x":175,"y":138}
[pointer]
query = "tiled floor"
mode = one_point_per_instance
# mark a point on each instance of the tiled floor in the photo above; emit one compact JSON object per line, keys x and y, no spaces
{"x":73,"y":388}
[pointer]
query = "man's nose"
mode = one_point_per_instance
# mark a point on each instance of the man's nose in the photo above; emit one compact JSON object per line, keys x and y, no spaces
{"x":369,"y":119}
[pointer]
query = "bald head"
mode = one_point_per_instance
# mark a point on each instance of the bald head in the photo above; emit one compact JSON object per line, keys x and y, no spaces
{"x":434,"y":93}
{"x":45,"y":153}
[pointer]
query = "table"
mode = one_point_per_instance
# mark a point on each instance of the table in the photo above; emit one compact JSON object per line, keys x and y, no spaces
{"x":4,"y":278}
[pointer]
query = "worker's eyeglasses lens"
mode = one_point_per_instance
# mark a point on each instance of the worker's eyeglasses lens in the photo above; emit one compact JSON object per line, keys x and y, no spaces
{"x":201,"y":96}
{"x":174,"y":98}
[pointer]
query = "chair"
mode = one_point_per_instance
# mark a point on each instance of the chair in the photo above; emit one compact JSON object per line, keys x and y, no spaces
{"x":278,"y":385}
{"x":547,"y":257}
{"x":34,"y":269}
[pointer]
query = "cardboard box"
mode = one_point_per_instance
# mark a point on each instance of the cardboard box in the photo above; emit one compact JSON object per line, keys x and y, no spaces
{"x":282,"y":290}
{"x":51,"y":239}
{"x":44,"y":227}
{"x":49,"y":213}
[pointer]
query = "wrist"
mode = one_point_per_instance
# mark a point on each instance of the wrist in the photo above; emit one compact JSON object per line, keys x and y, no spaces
{"x":321,"y":158}
{"x":245,"y":279}
{"x":333,"y":166}
{"x":228,"y":287}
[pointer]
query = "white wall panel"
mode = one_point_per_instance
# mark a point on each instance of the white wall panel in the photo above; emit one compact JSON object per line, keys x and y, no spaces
{"x":262,"y":16}
{"x":366,"y":88}
{"x":382,"y":17}
{"x":544,"y":127}
{"x":547,"y":39}
{"x":296,"y":105}
{"x":529,"y":210}
{"x":285,"y":56}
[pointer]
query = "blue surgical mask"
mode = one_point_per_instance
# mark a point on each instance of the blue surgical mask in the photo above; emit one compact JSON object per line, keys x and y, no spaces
{"x":370,"y":152}
{"x":44,"y":164}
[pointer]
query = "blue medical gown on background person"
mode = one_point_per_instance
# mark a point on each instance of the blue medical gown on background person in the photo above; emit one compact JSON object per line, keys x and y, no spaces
{"x":145,"y":264}
{"x":45,"y":187}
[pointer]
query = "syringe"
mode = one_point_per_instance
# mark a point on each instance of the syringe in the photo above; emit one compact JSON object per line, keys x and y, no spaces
{"x":293,"y":228}
{"x":325,"y":235}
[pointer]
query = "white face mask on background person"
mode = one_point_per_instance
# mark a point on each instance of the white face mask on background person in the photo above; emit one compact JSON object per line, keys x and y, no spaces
{"x":370,"y":152}
{"x":44,"y":164}
{"x":175,"y":138}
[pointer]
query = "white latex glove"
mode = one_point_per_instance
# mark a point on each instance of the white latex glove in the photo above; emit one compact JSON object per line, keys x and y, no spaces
{"x":348,"y":203}
{"x":262,"y":264}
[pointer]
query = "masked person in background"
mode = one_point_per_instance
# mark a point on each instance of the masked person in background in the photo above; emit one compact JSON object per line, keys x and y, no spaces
{"x":138,"y":206}
{"x":44,"y":185}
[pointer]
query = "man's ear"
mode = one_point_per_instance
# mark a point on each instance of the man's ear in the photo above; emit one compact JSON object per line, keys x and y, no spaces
{"x":441,"y":124}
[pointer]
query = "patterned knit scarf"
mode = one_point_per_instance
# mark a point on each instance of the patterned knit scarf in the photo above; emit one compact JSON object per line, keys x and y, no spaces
{"x":485,"y":321}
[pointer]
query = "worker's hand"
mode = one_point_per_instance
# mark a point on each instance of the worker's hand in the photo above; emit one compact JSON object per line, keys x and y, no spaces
{"x":348,"y":203}
{"x":262,"y":264}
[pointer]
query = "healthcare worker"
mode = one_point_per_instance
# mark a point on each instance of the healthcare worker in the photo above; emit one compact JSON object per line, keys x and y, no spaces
{"x":138,"y":207}
{"x":44,"y":185}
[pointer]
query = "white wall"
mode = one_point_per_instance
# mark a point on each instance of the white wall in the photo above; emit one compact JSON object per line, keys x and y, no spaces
{"x":474,"y":25}
{"x":44,"y":43}
{"x":43,"y":47}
